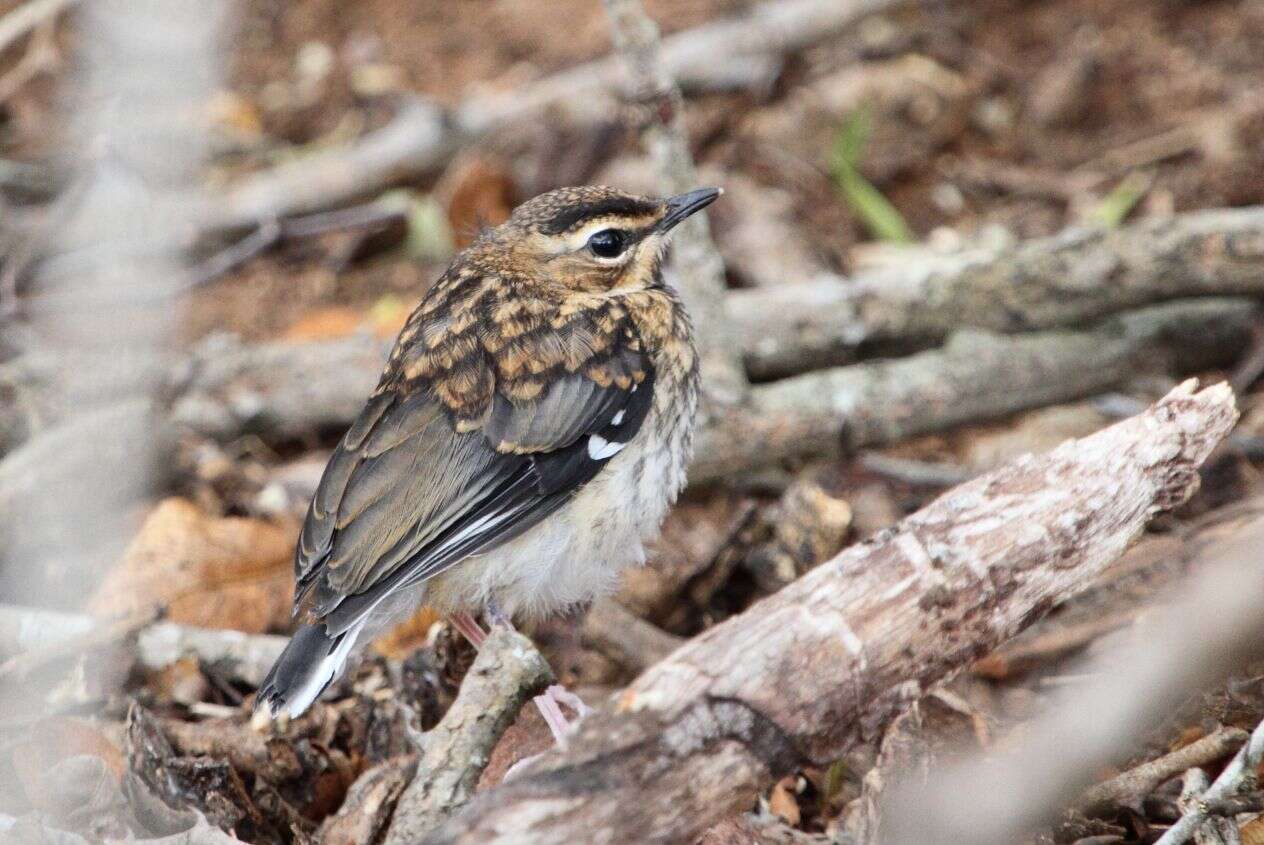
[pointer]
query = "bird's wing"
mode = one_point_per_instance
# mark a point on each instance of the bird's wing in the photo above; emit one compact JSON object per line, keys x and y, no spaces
{"x":430,"y":474}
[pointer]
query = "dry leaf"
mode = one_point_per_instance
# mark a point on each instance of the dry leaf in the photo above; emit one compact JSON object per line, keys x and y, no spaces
{"x":783,"y":802}
{"x":206,"y":571}
{"x":1253,"y":831}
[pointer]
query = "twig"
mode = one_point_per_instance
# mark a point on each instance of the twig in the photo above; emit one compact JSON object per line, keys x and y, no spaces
{"x":265,"y":237}
{"x":507,"y":671}
{"x":697,"y":269}
{"x":1237,"y":777}
{"x":1131,"y":787}
{"x":814,"y":670}
{"x":914,"y":472}
{"x":369,"y":215}
{"x":1216,"y":830}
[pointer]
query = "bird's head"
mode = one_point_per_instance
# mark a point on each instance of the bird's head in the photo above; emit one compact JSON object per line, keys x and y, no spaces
{"x":593,"y":238}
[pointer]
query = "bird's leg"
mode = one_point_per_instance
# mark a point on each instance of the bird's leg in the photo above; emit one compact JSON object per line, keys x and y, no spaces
{"x":469,"y":628}
{"x":550,"y":702}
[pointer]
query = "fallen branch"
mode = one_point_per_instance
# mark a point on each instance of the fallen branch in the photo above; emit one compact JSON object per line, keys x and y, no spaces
{"x":507,"y":671}
{"x":980,"y":376}
{"x":824,"y":664}
{"x":422,"y":137}
{"x":1208,"y":633}
{"x":287,"y":390}
{"x":1216,"y":830}
{"x":1072,"y":278}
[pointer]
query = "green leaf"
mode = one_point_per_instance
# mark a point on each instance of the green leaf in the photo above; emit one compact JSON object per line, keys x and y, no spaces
{"x":875,"y":211}
{"x":851,"y":140}
{"x":1119,"y":203}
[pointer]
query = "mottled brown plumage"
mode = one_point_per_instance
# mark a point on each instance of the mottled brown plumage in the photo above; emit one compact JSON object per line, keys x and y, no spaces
{"x":532,"y":424}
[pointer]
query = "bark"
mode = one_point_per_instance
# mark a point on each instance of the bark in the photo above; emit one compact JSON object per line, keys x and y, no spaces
{"x":507,"y":671}
{"x":421,"y":137}
{"x":1071,"y":278}
{"x":812,"y":671}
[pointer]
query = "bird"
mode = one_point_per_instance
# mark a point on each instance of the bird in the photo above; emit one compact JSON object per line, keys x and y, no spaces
{"x":530,"y":431}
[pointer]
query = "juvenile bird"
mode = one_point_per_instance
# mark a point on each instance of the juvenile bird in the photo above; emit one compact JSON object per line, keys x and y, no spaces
{"x":530,"y":430}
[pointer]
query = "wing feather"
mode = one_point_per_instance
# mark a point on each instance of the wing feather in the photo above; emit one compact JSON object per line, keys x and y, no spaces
{"x":414,"y":488}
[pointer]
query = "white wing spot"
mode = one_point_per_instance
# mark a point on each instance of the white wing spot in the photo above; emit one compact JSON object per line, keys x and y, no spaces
{"x":618,"y":418}
{"x":600,"y":448}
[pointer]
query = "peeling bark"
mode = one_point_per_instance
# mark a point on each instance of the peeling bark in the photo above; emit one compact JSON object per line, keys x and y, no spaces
{"x":812,"y":671}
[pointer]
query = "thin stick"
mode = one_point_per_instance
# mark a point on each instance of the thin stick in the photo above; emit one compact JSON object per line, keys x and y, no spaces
{"x":1237,"y":777}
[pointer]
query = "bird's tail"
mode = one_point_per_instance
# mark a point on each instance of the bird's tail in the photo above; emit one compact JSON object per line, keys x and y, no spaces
{"x":310,"y":662}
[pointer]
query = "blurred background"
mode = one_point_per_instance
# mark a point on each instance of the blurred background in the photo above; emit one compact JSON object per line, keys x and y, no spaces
{"x":214,"y":219}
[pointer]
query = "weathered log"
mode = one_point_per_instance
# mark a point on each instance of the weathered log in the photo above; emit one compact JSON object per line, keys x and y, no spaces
{"x":1211,"y":630}
{"x":824,"y":664}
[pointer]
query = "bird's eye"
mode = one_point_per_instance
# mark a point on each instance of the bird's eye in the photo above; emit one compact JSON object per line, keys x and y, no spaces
{"x":608,"y":243}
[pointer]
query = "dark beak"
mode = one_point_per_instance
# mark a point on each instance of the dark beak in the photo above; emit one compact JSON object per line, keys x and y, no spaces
{"x":678,"y":208}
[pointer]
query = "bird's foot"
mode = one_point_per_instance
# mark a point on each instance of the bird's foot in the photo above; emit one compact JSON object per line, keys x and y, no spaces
{"x":469,"y":628}
{"x":550,"y":704}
